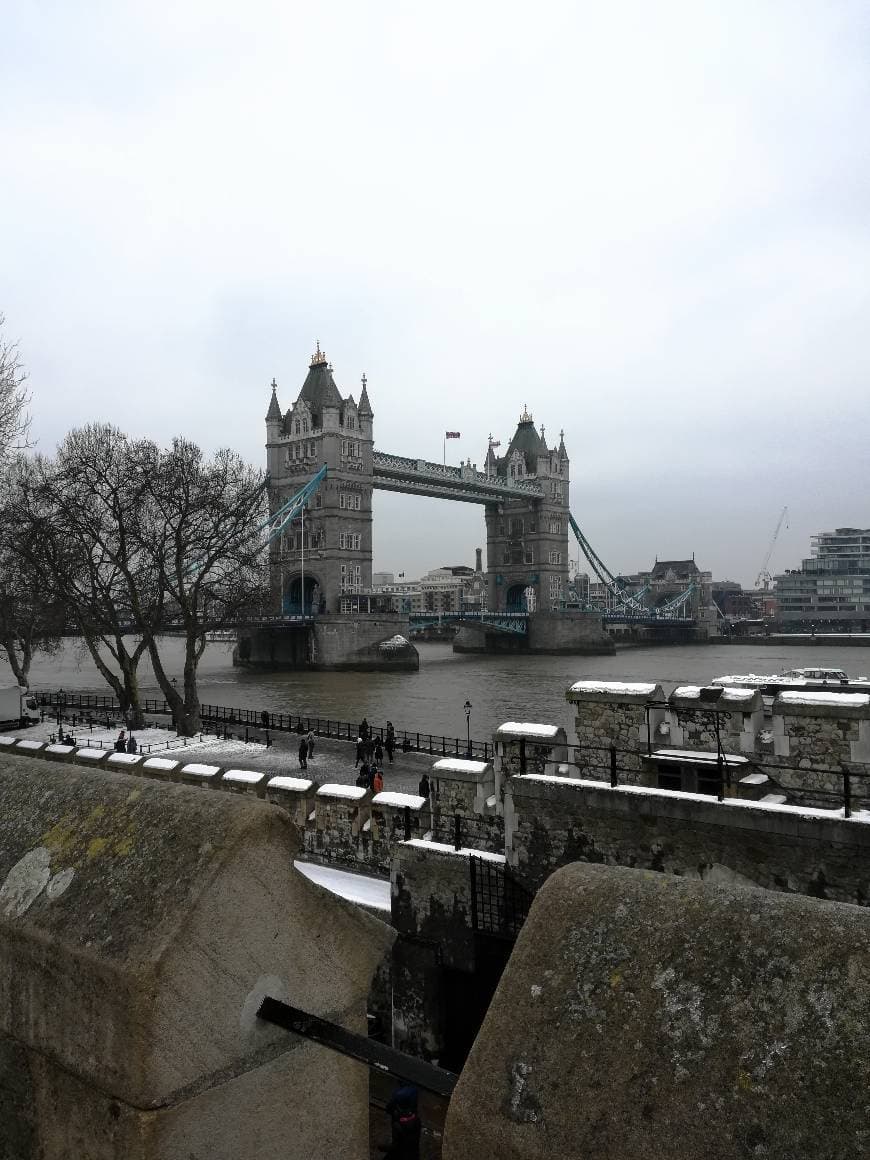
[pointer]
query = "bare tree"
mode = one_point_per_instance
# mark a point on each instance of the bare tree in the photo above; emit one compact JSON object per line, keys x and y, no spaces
{"x":89,"y":499}
{"x":32,"y":617}
{"x":138,"y":540}
{"x":14,"y":420}
{"x":204,"y":557}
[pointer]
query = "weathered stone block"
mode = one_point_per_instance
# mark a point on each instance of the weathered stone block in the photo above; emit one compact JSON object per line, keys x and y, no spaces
{"x":648,"y":1016}
{"x":140,"y":926}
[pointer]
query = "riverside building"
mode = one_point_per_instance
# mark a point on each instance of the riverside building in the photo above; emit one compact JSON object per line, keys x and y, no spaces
{"x":832,"y":585}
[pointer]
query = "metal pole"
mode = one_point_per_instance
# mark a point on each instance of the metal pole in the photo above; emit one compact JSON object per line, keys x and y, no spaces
{"x":407,"y":1068}
{"x":847,"y":793}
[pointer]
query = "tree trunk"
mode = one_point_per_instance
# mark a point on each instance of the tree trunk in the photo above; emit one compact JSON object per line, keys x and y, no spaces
{"x":171,"y":694}
{"x":133,"y":707}
{"x":193,"y":720}
{"x":125,"y":687}
{"x":20,"y":665}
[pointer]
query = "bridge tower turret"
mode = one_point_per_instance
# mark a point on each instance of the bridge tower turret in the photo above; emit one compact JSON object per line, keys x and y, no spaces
{"x":321,"y":427}
{"x":527,"y":537}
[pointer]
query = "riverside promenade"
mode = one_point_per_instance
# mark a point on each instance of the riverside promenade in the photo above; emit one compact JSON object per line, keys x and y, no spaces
{"x":333,"y":759}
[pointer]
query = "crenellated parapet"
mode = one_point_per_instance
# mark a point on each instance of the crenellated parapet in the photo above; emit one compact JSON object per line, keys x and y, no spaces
{"x":625,"y":715}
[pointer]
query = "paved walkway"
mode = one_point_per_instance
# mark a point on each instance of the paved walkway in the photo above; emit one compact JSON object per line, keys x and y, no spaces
{"x":333,"y":760}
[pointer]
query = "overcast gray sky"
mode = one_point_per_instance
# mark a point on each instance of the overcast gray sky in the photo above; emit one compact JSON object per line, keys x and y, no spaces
{"x":648,"y":221}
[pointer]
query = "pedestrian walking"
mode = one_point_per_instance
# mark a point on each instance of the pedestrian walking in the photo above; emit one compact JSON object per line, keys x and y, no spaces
{"x":405,"y":1122}
{"x":379,"y":752}
{"x":360,"y":750}
{"x":390,"y":742}
{"x":377,"y":782}
{"x":310,"y":743}
{"x":303,"y":754}
{"x":264,"y":719}
{"x":121,"y":743}
{"x":364,"y":729}
{"x":424,"y":789}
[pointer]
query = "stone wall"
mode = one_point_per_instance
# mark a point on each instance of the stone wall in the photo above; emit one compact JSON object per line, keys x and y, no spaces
{"x":551,"y":822}
{"x":646,"y":1016}
{"x":340,"y":813}
{"x":141,"y":924}
{"x":609,"y":713}
{"x":733,"y":720}
{"x":467,"y":789}
{"x":522,"y":747}
{"x":432,"y":914}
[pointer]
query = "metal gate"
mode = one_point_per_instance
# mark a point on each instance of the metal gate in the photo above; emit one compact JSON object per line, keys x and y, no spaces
{"x":499,"y":904}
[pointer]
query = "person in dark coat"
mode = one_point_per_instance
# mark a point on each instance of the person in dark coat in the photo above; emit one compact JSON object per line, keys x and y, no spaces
{"x":365,"y":775}
{"x":379,"y":752}
{"x":360,"y":750}
{"x":264,"y":719}
{"x":405,"y":1121}
{"x":390,"y":742}
{"x":132,"y":744}
{"x":121,"y":743}
{"x":364,"y":729}
{"x":424,"y":789}
{"x":303,"y":754}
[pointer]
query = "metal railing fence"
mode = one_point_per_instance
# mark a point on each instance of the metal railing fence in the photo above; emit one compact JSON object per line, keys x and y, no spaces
{"x":406,"y":740}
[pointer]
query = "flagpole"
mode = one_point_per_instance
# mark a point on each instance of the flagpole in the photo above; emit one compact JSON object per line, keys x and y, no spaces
{"x":444,"y":449}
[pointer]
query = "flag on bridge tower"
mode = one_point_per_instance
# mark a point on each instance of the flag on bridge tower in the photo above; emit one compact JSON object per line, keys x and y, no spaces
{"x":448,"y":435}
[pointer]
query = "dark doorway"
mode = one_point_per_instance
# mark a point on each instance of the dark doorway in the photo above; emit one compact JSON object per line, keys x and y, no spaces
{"x":467,"y":996}
{"x":293,"y":596}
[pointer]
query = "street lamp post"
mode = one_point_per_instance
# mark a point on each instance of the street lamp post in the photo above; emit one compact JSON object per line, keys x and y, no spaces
{"x":467,"y":708}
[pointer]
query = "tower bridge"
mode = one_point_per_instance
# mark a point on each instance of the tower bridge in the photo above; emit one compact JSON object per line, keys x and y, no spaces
{"x":322,"y":562}
{"x":323,"y":470}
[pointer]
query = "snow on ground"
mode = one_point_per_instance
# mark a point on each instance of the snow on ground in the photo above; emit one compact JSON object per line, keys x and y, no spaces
{"x":373,"y":892}
{"x":150,"y":740}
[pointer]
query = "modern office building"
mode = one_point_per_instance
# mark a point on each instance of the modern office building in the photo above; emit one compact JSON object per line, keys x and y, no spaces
{"x":832,"y":586}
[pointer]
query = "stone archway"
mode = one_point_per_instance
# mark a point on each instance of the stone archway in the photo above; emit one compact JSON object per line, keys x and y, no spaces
{"x":292,"y":603}
{"x":521,"y":598}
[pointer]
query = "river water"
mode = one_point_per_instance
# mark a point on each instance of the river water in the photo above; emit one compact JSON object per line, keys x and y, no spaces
{"x":500,"y":688}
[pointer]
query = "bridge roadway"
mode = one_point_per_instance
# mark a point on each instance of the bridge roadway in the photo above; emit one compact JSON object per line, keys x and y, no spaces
{"x":420,"y":477}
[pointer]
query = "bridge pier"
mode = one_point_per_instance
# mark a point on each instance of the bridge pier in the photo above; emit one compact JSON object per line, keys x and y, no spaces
{"x":567,"y":631}
{"x":364,"y":643}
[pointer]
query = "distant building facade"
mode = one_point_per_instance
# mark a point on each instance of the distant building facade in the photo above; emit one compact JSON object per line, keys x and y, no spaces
{"x":832,"y":585}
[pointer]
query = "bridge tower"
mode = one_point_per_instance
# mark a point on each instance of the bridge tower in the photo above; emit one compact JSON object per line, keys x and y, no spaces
{"x":527,"y":537}
{"x":321,"y":427}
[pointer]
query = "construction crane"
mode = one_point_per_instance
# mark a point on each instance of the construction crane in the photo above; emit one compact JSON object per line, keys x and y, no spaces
{"x":763,"y":579}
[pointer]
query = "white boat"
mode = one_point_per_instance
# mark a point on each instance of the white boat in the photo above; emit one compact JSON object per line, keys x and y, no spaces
{"x":808,"y":678}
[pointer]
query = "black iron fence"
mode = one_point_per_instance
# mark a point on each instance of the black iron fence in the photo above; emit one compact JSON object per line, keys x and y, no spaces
{"x":406,"y":740}
{"x":718,"y":774}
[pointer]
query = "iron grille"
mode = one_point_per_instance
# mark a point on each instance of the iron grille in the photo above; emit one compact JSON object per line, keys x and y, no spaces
{"x":499,"y":904}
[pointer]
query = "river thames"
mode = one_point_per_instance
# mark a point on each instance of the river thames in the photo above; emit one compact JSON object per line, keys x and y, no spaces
{"x":500,"y":688}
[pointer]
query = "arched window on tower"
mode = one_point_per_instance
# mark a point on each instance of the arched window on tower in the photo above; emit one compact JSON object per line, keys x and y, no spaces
{"x":297,"y":428}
